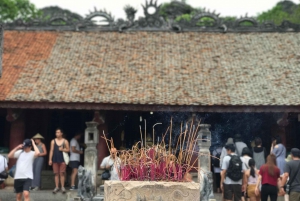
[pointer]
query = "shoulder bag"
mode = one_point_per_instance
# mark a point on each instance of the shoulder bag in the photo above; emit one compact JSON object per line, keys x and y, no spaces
{"x":66,"y":155}
{"x":4,"y":173}
{"x":106,"y":174}
{"x":287,"y":186}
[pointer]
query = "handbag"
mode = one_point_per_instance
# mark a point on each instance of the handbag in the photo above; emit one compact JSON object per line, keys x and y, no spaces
{"x":105,"y":175}
{"x":4,"y":174}
{"x":66,"y":156}
{"x":287,"y":186}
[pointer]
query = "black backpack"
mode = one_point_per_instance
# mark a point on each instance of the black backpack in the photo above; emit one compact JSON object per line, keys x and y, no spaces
{"x":216,"y":159}
{"x":234,"y":170}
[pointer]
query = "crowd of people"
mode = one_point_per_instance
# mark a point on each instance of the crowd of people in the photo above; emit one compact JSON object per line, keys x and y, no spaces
{"x":254,"y":174}
{"x":28,"y":168}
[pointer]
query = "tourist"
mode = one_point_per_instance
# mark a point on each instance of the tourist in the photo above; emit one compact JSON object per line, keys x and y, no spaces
{"x":269,"y":174}
{"x":56,"y":159}
{"x":112,"y":163}
{"x":278,"y":149}
{"x":38,"y":162}
{"x":259,"y":153}
{"x":246,"y":156}
{"x":216,"y":166}
{"x":250,"y":179}
{"x":24,"y":168}
{"x":3,"y":167}
{"x":239,"y":144}
{"x":232,"y":175}
{"x":292,"y":171}
{"x":224,"y":152}
{"x":74,"y":158}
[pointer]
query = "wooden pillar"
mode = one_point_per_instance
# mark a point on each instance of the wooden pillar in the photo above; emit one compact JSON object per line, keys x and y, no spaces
{"x":17,"y":130}
{"x":102,"y":146}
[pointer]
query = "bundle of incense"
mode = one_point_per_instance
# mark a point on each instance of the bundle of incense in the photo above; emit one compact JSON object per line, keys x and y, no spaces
{"x":156,"y":162}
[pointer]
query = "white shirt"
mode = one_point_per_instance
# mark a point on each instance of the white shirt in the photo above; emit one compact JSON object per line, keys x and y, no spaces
{"x":3,"y":164}
{"x":225,"y":166}
{"x":24,"y":166}
{"x":115,"y":166}
{"x":246,"y":160}
{"x":74,"y":156}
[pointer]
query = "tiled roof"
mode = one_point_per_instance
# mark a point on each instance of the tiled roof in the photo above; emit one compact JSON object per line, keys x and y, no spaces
{"x":163,"y":68}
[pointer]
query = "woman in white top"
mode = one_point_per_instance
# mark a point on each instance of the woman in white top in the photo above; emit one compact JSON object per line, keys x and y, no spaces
{"x":250,"y":179}
{"x":246,"y":156}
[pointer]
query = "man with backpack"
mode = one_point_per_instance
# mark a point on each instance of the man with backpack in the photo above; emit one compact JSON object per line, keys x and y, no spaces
{"x":232,"y":175}
{"x":292,"y":171}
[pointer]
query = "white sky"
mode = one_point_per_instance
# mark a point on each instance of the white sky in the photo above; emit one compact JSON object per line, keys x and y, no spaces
{"x":225,"y":7}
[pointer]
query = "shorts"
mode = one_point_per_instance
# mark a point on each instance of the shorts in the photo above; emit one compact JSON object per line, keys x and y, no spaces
{"x":232,"y":190}
{"x":295,"y":196}
{"x":74,"y":164}
{"x":59,"y":168}
{"x":21,"y":185}
{"x":251,"y":190}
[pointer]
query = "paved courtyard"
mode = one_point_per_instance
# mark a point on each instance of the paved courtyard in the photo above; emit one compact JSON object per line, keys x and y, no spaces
{"x":46,"y":195}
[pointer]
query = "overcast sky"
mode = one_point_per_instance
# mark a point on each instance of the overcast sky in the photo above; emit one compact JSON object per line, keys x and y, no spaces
{"x":225,"y":7}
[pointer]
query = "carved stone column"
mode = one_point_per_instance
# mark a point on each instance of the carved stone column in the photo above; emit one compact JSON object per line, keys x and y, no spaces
{"x":204,"y":174}
{"x":91,"y":139}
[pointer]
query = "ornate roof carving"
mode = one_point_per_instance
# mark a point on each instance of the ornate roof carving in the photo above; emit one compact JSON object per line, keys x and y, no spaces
{"x":204,"y":21}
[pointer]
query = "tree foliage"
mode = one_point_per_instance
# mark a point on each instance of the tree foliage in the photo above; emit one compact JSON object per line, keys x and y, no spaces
{"x":11,"y":10}
{"x":285,"y":10}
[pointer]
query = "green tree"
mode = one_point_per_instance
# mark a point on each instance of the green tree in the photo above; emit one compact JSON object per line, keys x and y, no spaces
{"x":285,"y":10}
{"x":11,"y":10}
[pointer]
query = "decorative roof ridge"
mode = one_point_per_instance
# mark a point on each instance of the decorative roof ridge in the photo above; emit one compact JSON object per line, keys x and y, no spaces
{"x":201,"y":21}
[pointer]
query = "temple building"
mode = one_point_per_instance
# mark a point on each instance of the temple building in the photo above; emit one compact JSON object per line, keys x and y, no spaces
{"x":63,"y":73}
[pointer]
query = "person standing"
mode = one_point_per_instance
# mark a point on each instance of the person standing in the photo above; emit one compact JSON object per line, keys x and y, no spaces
{"x":74,"y":158}
{"x":112,"y":163}
{"x":268,"y":178}
{"x":224,"y":152}
{"x":216,"y":166}
{"x":38,"y":162}
{"x":259,"y":153}
{"x":250,"y":180}
{"x":232,"y":175}
{"x":279,"y":150}
{"x":246,"y":156}
{"x":3,"y":167}
{"x":292,"y":171}
{"x":56,"y":159}
{"x":239,"y":144}
{"x":24,"y":168}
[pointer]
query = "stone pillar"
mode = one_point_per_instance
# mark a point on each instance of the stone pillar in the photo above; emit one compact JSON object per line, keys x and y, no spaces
{"x":91,"y":138}
{"x":205,"y":174}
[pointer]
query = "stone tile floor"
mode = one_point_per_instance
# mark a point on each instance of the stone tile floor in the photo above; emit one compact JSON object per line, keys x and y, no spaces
{"x":46,"y":195}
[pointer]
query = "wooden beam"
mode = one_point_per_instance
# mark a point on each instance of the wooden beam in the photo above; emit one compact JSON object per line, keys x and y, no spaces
{"x":144,"y":107}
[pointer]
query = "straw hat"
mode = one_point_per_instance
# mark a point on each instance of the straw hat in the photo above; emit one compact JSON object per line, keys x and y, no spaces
{"x":38,"y":136}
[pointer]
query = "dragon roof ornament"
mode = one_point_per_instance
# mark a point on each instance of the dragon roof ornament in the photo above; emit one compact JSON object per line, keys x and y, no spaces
{"x":153,"y":20}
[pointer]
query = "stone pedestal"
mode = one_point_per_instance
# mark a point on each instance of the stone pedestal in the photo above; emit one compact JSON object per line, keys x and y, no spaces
{"x":151,"y":191}
{"x":91,"y":139}
{"x":205,"y":175}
